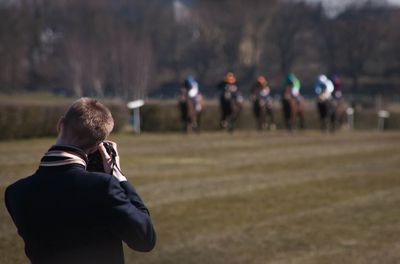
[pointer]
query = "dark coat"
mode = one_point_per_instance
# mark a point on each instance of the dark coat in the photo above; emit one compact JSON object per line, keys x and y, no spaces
{"x":68,"y":215}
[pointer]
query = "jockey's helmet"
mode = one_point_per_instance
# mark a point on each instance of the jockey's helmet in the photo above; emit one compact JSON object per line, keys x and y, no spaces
{"x":189,"y":82}
{"x":230,"y":78}
{"x":261,"y":79}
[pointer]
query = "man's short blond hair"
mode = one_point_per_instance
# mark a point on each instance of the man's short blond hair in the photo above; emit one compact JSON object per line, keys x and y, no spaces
{"x":87,"y":122}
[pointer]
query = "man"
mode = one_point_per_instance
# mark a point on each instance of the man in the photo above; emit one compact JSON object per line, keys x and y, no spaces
{"x":294,"y":84}
{"x":66,"y":214}
{"x":323,"y":88}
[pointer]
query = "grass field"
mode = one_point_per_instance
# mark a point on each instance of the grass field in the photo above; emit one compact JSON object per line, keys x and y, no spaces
{"x":250,"y":197}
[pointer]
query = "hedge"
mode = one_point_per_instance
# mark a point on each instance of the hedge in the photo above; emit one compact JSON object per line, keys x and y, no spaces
{"x":161,"y":116}
{"x":25,"y":119}
{"x":38,"y":119}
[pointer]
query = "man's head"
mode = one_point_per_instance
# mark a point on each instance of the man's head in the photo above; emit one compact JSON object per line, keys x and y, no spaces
{"x":86,"y":123}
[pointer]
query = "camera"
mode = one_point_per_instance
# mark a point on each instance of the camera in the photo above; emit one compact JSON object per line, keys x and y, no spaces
{"x":96,"y":161}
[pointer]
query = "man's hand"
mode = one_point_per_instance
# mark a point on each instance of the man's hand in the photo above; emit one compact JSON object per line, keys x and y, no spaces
{"x":108,"y":163}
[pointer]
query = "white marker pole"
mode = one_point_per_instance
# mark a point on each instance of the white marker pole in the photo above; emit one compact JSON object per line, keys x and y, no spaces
{"x":382,"y":115}
{"x":136,"y":117}
{"x":135,"y":106}
{"x":350,"y":117}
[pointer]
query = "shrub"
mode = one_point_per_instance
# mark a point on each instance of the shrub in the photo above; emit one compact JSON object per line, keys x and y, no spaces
{"x":160,"y":116}
{"x":38,"y":119}
{"x":24,"y":119}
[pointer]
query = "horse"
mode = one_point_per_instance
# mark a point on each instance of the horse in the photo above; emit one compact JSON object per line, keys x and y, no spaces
{"x":340,"y":112}
{"x":231,"y":103}
{"x":191,"y":110}
{"x":331,"y":114}
{"x":262,"y":107}
{"x":293,"y":109}
{"x":326,"y":110}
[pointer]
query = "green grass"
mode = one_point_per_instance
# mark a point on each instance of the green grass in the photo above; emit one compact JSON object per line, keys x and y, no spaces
{"x":251,"y":197}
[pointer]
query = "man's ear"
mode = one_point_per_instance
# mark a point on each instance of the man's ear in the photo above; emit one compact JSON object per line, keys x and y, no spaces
{"x":60,"y":125}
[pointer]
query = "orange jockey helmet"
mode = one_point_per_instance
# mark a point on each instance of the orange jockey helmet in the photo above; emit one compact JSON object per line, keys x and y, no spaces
{"x":230,"y":78}
{"x":261,"y":79}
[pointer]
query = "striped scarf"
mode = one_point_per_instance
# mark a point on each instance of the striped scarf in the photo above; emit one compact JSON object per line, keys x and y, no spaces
{"x":63,"y":155}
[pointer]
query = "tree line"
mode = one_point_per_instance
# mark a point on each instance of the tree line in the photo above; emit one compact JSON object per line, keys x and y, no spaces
{"x":131,"y":48}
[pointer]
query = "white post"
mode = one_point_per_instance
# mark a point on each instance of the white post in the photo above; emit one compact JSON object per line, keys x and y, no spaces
{"x":136,"y":118}
{"x":382,"y":115}
{"x":135,"y":107}
{"x":350,"y":117}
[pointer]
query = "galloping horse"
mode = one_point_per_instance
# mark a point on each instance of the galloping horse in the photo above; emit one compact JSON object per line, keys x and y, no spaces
{"x":231,"y":102}
{"x":340,"y":111}
{"x":293,"y":110}
{"x":331,"y":113}
{"x":326,"y":110}
{"x":338,"y":100}
{"x":292,"y":103}
{"x":191,"y":105}
{"x":329,"y":104}
{"x":262,"y":104}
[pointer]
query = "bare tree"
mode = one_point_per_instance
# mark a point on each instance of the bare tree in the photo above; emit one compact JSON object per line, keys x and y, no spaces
{"x":287,"y":25}
{"x":359,"y":32}
{"x":124,"y":48}
{"x":14,"y":48}
{"x":391,"y":45}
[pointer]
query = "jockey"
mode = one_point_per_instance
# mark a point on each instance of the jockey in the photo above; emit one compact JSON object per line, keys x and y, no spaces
{"x":230,"y":88}
{"x":292,"y":102}
{"x":261,"y":90}
{"x":294,"y":83}
{"x":262,"y":103}
{"x":192,"y":86}
{"x":265,"y":92}
{"x":337,"y":84}
{"x":193,"y":93}
{"x":323,"y":88}
{"x":230,"y":101}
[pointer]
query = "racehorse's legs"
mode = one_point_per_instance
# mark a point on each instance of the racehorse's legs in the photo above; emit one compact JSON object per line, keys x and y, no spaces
{"x":293,"y":114}
{"x":235,"y":110}
{"x":300,"y":115}
{"x":322,"y":110}
{"x":287,"y":114}
{"x":332,"y":106}
{"x":191,"y":118}
{"x":332,"y":120}
{"x":198,"y":122}
{"x":271,"y":123}
{"x":256,"y":113}
{"x":262,"y":118}
{"x":333,"y":123}
{"x":298,"y":105}
{"x":339,"y":114}
{"x":226,"y":110}
{"x":231,"y":125}
{"x":232,"y":120}
{"x":183,"y":107}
